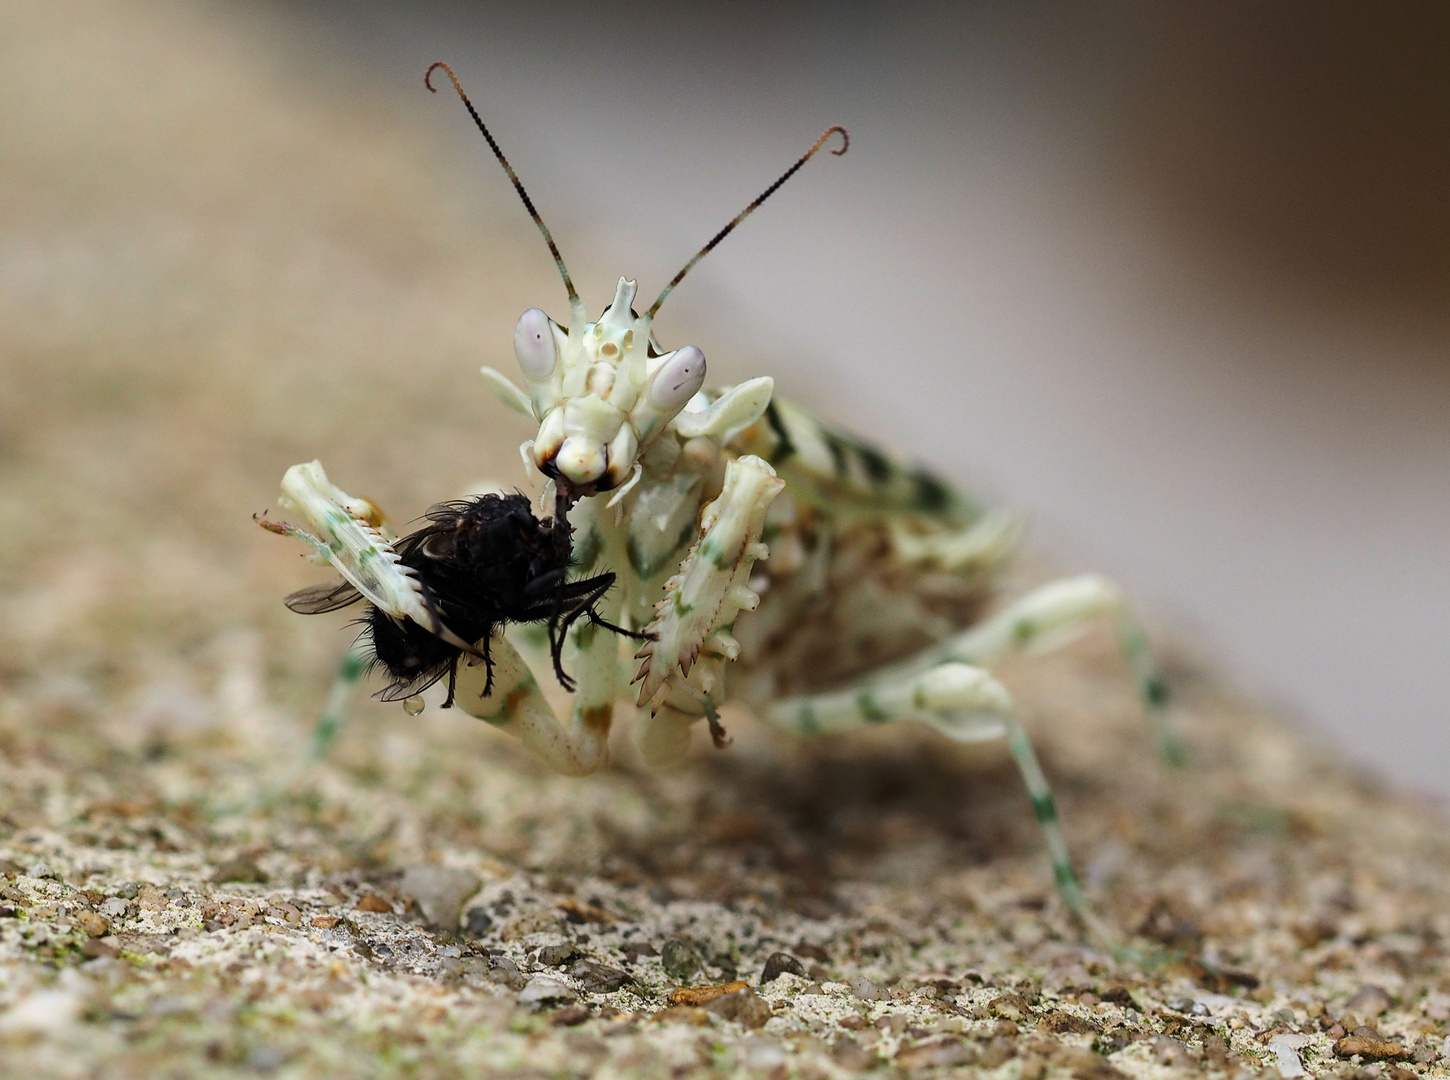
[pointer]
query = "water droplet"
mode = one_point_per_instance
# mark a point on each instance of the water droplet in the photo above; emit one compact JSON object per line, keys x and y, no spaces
{"x":413,"y":705}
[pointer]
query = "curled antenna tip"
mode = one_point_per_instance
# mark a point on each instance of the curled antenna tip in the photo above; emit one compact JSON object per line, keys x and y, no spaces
{"x":507,"y":168}
{"x":845,"y":138}
{"x":428,"y":78}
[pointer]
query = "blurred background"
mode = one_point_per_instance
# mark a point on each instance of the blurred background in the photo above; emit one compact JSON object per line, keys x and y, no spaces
{"x":1171,"y":278}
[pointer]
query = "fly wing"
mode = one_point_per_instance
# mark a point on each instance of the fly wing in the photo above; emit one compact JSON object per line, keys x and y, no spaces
{"x":400,"y":689}
{"x":318,"y":599}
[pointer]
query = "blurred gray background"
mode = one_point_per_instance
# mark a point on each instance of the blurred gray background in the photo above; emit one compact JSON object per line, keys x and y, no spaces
{"x":1170,"y":278}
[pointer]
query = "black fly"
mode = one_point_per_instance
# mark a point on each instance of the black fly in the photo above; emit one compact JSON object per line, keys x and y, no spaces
{"x":482,"y":562}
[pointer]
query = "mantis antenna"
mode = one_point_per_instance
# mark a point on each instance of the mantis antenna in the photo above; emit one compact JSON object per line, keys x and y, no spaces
{"x":736,"y":220}
{"x":518,"y":185}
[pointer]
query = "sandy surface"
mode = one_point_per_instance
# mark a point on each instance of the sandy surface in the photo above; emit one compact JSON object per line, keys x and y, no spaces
{"x":182,"y":315}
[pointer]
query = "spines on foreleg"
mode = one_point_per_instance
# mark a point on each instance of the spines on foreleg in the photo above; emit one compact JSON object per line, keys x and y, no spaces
{"x":348,"y":533}
{"x":711,"y":588}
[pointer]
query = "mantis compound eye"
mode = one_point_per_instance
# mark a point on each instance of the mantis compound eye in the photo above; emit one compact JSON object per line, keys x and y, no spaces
{"x":678,"y":379}
{"x":534,"y":345}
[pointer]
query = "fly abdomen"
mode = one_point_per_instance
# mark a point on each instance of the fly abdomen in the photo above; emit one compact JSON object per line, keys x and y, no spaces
{"x":413,"y":657}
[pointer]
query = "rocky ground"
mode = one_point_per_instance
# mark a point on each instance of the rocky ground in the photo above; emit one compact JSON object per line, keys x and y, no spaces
{"x":181,"y":898}
{"x":183,"y":893}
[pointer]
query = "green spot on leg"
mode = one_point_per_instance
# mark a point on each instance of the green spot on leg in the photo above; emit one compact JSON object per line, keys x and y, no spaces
{"x":1023,"y":631}
{"x":1045,"y":807}
{"x":718,"y":556}
{"x":1172,"y":750}
{"x":784,"y":446}
{"x":1065,"y":877}
{"x":337,"y":521}
{"x":932,"y":496}
{"x":870,"y":711}
{"x":324,"y":734}
{"x":878,"y":468}
{"x":1155,"y":691}
{"x":324,"y":731}
{"x":806,"y":719}
{"x":586,"y":550}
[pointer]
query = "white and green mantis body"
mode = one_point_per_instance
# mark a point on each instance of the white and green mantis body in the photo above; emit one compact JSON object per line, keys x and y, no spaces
{"x":772,"y":563}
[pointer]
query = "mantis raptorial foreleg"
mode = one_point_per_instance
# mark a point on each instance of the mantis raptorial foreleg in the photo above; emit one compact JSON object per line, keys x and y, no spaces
{"x":515,"y":705}
{"x":680,"y":677}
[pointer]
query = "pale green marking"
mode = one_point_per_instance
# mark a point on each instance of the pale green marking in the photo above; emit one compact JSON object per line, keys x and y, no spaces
{"x":637,"y":560}
{"x":872,"y":712}
{"x":1045,"y":807}
{"x":1155,"y":691}
{"x":324,"y":731}
{"x":1065,"y":878}
{"x":586,"y":551}
{"x":1152,"y":689}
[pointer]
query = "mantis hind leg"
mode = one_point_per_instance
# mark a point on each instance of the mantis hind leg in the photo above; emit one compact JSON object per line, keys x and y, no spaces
{"x":1049,"y":616}
{"x":966,"y":704}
